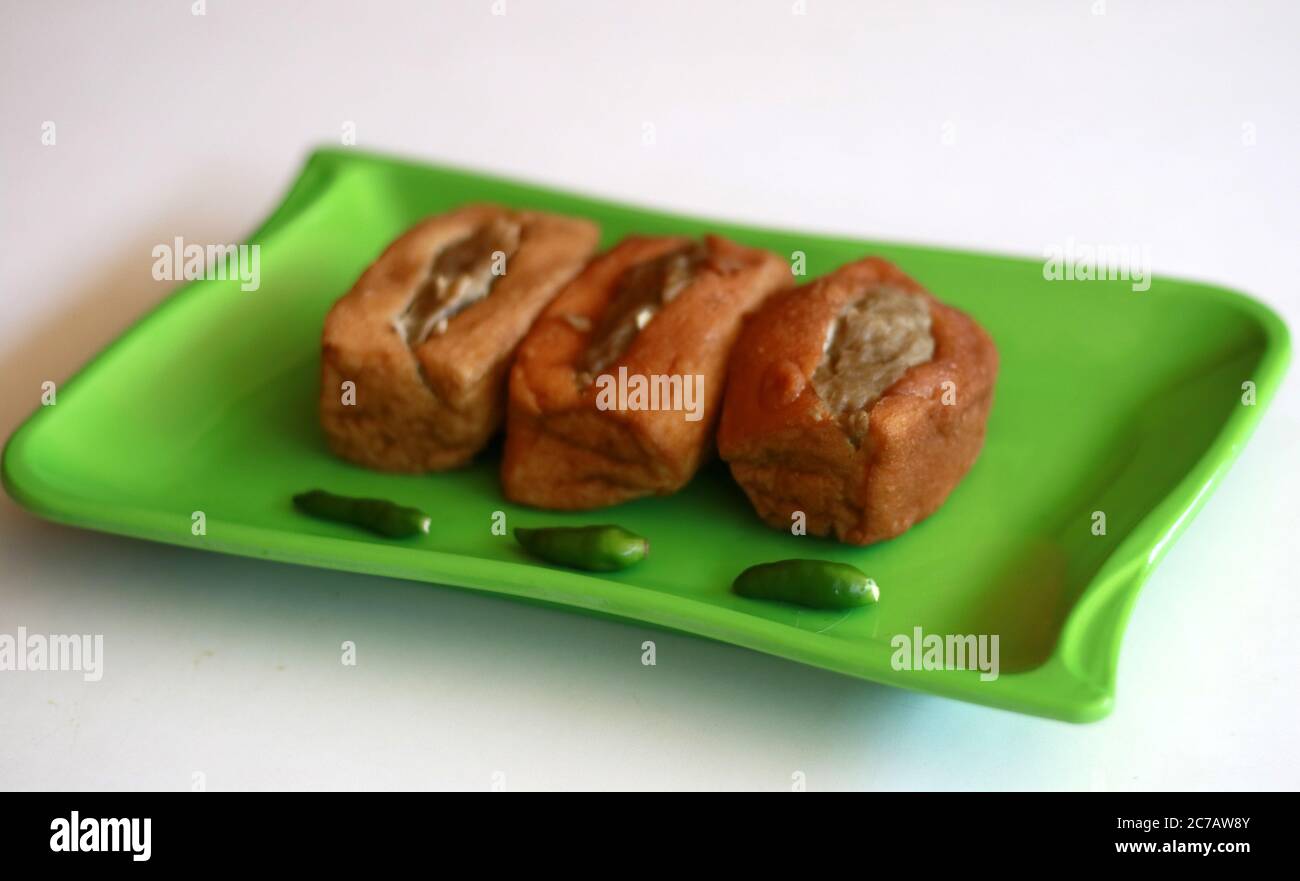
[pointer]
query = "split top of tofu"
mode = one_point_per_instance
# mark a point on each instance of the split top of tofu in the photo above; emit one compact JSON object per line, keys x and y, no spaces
{"x":640,"y":293}
{"x":869,"y":346}
{"x":461,"y":274}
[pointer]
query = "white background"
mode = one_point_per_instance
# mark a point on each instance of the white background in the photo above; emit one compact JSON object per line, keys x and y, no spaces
{"x":1123,"y":127}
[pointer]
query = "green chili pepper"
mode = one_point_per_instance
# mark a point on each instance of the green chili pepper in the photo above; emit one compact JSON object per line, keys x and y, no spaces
{"x":819,"y":584}
{"x":597,"y":548}
{"x":377,"y":515}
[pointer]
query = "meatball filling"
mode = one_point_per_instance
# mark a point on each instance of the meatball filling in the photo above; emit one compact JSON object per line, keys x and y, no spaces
{"x":462,"y":273}
{"x":640,"y":292}
{"x":868,"y":348}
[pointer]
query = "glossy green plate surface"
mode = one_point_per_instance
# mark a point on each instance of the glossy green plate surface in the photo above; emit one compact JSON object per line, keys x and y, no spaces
{"x":1108,"y":400}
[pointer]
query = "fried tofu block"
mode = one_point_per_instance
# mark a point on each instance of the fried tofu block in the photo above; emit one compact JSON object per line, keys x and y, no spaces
{"x":658,"y":315}
{"x":427,"y":334}
{"x":859,"y":400}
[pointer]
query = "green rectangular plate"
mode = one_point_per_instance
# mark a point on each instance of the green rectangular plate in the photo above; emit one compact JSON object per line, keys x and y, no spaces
{"x":1129,"y":403}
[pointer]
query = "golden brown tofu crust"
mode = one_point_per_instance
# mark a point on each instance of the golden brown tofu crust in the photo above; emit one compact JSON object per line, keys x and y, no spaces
{"x":434,"y":405}
{"x":562,"y":451}
{"x":790,"y":453}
